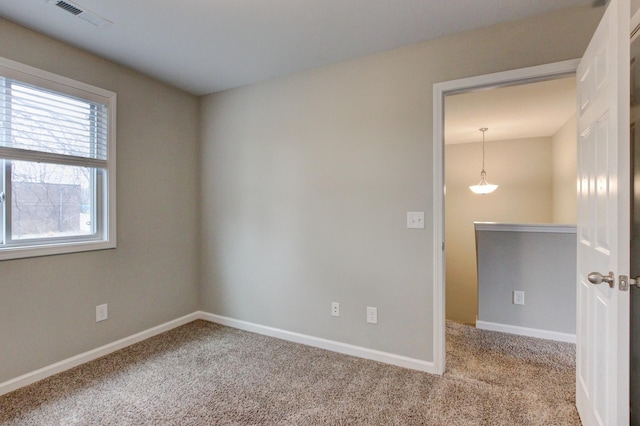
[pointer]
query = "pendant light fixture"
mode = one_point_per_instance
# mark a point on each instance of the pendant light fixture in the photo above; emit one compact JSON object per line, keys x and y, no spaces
{"x":483,"y":187}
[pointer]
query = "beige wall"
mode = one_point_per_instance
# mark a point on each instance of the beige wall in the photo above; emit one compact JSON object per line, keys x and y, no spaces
{"x":522,"y":169}
{"x":565,"y":161}
{"x":307,"y":180}
{"x":47,"y":304}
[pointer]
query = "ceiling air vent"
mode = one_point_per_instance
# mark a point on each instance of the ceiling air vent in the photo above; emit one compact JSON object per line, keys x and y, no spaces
{"x":69,"y":8}
{"x":81,"y":12}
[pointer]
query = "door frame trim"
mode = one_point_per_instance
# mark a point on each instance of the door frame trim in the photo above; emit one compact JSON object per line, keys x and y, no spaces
{"x":440,"y":90}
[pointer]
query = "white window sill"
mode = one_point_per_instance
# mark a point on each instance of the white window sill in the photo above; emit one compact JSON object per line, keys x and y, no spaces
{"x":8,"y":253}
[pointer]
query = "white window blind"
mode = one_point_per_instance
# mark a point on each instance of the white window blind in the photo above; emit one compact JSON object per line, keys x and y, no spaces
{"x":44,"y":126}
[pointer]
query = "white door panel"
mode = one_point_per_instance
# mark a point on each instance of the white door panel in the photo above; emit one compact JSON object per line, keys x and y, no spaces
{"x":602,"y":350}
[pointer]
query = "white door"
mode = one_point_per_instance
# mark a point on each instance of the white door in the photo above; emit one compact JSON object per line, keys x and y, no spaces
{"x":602,"y":351}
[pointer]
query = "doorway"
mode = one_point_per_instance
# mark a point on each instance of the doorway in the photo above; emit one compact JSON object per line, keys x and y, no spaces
{"x":504,"y":79}
{"x":531,"y":152}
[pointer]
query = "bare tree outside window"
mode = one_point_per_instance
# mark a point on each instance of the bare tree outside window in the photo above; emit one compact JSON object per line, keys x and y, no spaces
{"x":50,"y":200}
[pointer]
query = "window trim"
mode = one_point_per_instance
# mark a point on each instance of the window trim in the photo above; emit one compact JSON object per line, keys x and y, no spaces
{"x":106,"y":229}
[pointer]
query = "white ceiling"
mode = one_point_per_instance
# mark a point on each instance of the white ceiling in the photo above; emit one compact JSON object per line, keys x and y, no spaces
{"x":204,"y":46}
{"x":514,"y":112}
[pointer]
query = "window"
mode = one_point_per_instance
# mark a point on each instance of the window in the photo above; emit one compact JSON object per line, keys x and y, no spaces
{"x":57,"y":164}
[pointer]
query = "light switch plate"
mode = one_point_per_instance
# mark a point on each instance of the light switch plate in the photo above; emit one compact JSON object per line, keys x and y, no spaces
{"x":415,"y":220}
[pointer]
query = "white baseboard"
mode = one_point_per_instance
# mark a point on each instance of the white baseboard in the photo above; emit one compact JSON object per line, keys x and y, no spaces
{"x":58,"y":367}
{"x":343,"y":348}
{"x":331,"y":345}
{"x":524,"y":331}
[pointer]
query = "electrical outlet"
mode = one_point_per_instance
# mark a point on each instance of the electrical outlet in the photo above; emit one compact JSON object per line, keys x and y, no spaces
{"x":372,"y":315}
{"x":101,"y":313}
{"x":415,"y":220}
{"x":335,"y":309}
{"x":518,"y":297}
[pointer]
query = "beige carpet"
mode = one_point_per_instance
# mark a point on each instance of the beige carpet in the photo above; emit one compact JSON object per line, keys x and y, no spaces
{"x":207,"y":374}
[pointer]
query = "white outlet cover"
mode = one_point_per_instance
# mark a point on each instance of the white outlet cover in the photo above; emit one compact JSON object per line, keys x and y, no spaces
{"x":335,"y":309}
{"x":372,"y":315}
{"x":518,"y":297}
{"x":415,"y":220}
{"x":102,"y":313}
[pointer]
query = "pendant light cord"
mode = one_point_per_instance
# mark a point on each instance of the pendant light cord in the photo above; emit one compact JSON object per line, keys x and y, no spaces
{"x":484,"y":129}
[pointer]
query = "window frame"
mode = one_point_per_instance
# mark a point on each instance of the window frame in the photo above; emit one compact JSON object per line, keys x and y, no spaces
{"x":105,"y":178}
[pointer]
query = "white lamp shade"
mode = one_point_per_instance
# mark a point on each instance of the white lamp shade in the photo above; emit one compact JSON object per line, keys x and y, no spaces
{"x":483,"y":188}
